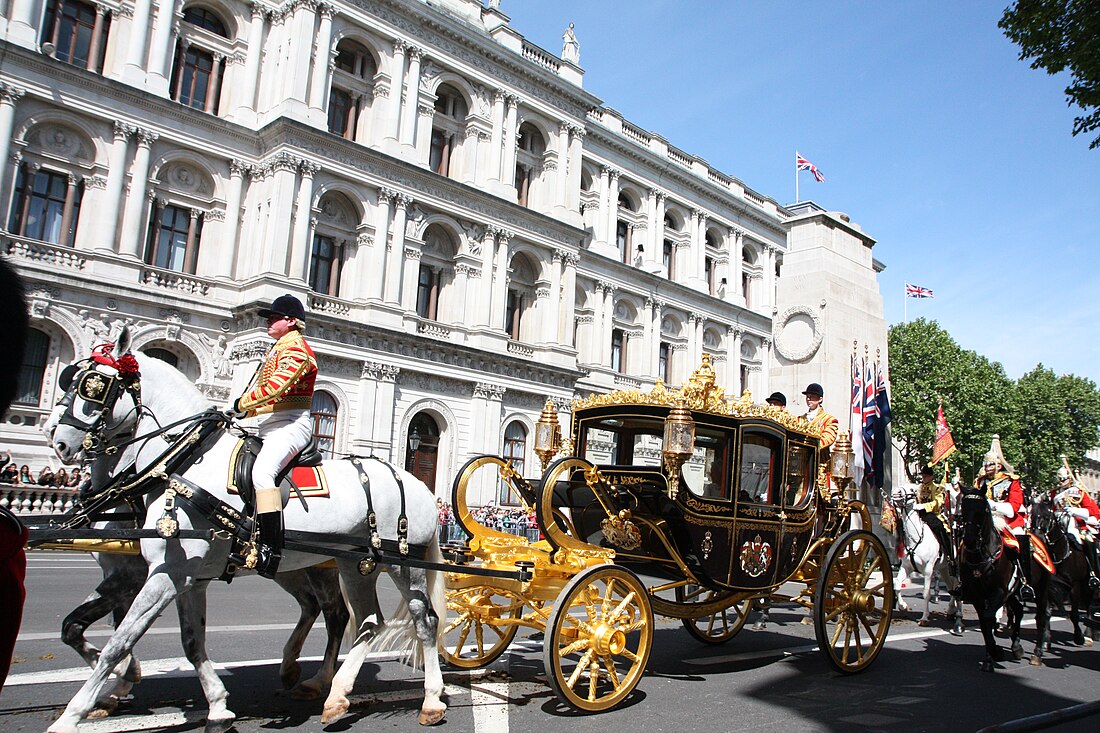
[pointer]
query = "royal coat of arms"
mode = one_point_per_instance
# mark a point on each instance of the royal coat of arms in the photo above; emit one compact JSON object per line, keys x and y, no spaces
{"x":756,"y":556}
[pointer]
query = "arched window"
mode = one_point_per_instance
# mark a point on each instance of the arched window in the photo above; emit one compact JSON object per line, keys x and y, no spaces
{"x":422,"y":449}
{"x":668,"y":258}
{"x":76,"y":33}
{"x":35,"y":353}
{"x":324,"y":265}
{"x":199,"y":63}
{"x":323,"y":412}
{"x":46,"y":205}
{"x":164,"y":355}
{"x":174,"y":235}
{"x":352,"y":78}
{"x":448,"y":125}
{"x":203,"y":18}
{"x":335,"y":226}
{"x":435,"y":298}
{"x":618,"y":350}
{"x":664,"y":362}
{"x":530,"y":149}
{"x":522,"y":274}
{"x":515,"y":452}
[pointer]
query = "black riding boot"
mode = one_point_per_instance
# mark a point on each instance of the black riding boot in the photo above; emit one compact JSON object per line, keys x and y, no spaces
{"x":1094,"y":565}
{"x":270,"y":544}
{"x":944,"y":538}
{"x":1027,"y":593}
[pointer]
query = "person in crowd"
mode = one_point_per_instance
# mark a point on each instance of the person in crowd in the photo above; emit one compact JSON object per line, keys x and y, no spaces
{"x":75,"y":478}
{"x":25,"y":476}
{"x":10,"y":474}
{"x":61,"y":478}
{"x":46,"y":477}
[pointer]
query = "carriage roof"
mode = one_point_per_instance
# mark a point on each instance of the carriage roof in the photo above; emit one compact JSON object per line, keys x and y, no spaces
{"x":699,"y":394}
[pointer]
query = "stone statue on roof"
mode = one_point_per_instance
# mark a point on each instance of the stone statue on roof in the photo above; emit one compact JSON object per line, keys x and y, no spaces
{"x":570,"y":47}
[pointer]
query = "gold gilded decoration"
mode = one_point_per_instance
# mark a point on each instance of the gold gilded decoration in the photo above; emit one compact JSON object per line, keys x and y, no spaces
{"x":94,"y":386}
{"x":367,"y":566}
{"x":621,"y":532}
{"x":700,"y":394}
{"x":756,"y":556}
{"x":167,"y":527}
{"x":708,"y":544}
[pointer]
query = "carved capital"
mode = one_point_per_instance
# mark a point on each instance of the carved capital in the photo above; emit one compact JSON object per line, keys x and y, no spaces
{"x":488,"y":391}
{"x":10,"y":94}
{"x":123,"y":131}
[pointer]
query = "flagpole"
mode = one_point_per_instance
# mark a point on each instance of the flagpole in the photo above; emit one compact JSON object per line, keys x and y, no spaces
{"x":905,"y":307}
{"x":796,"y":198}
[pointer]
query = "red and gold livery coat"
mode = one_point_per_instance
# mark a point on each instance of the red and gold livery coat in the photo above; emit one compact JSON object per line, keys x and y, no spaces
{"x":828,"y":425}
{"x":285,"y":381}
{"x":1006,"y":487}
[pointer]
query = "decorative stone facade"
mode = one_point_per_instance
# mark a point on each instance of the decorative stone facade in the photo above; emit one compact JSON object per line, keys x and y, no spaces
{"x":471,"y":231}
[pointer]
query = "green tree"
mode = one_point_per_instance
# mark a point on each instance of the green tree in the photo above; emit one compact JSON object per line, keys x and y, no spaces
{"x":927,"y":366}
{"x":1058,"y":415}
{"x":1059,"y":35}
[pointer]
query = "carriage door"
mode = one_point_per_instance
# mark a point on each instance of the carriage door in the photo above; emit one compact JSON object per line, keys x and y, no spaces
{"x":758,"y":529}
{"x":422,"y":449}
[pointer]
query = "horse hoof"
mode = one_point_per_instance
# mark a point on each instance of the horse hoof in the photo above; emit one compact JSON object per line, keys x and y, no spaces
{"x":922,"y":622}
{"x":987,"y":665}
{"x":1017,"y":654}
{"x":759,"y":626}
{"x":432,"y":716}
{"x":290,"y":674}
{"x":957,"y":631}
{"x":1087,"y":642}
{"x":334,"y":710}
{"x":218,"y":726}
{"x":100,"y":713}
{"x":1036,"y":661}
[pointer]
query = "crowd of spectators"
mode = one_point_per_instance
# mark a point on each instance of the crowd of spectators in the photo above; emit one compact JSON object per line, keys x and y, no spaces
{"x":510,"y":519}
{"x":10,"y":473}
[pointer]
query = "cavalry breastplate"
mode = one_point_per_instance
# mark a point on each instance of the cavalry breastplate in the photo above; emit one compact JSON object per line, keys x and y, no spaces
{"x":999,"y":489}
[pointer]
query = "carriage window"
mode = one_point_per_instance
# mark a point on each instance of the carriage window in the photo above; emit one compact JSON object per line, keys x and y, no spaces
{"x":800,"y":474}
{"x":601,"y":445}
{"x":613,"y":441}
{"x":759,"y":481}
{"x":706,"y":472}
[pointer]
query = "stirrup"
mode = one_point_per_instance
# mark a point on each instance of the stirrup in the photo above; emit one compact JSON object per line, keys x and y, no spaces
{"x":1027,"y":593}
{"x":1094,"y":582}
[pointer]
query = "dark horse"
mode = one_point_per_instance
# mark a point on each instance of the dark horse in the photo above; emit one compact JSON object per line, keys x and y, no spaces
{"x":1070,"y":562}
{"x":986,"y":568}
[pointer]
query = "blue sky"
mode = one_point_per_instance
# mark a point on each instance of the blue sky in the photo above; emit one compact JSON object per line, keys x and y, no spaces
{"x":956,"y":156}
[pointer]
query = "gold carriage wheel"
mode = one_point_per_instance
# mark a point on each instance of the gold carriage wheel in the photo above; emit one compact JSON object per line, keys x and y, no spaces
{"x":854,"y":601}
{"x":473,"y":636}
{"x":598,"y":638}
{"x":719,"y":626}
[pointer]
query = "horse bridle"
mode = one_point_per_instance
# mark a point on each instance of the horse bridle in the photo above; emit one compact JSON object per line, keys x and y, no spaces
{"x":85,"y":380}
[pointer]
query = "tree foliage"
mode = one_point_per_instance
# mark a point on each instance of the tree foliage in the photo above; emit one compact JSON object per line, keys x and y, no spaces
{"x":1059,"y":35}
{"x":1038,"y":417}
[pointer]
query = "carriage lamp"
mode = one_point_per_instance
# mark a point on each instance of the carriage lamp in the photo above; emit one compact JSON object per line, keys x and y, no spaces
{"x":840,"y":462}
{"x":679,"y":444}
{"x":414,"y":440}
{"x":547,"y":434}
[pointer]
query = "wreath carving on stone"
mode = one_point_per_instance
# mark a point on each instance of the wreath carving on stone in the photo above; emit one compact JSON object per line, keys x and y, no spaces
{"x":793,"y":340}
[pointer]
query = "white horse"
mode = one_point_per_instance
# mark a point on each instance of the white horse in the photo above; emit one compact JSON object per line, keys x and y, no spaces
{"x":104,"y":411}
{"x":923,"y":556}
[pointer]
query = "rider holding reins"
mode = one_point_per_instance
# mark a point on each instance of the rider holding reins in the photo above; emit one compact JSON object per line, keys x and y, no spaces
{"x":1073,"y":498}
{"x":930,"y":506}
{"x":1006,"y":500}
{"x":279,"y":398}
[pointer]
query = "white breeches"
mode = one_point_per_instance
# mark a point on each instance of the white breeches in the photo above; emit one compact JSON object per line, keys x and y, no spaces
{"x":284,"y":434}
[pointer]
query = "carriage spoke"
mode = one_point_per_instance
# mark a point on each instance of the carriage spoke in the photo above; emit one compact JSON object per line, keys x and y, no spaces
{"x":619,"y":609}
{"x":836,"y":634}
{"x":573,"y":647}
{"x":462,"y":638}
{"x":612,"y":675}
{"x":634,"y":658}
{"x":459,"y":620}
{"x":847,"y":640}
{"x":479,"y":635}
{"x":606,"y":601}
{"x":581,"y":666}
{"x":867,"y":625}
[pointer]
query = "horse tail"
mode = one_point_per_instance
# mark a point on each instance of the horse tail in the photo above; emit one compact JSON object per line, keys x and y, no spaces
{"x":398,"y":636}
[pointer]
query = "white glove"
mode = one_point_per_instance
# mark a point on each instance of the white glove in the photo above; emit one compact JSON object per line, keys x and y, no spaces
{"x":1092,"y":522}
{"x":1078,"y":512}
{"x":1003,"y":508}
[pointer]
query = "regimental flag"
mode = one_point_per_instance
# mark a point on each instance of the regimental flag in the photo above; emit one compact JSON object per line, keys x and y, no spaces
{"x":945,"y":444}
{"x":916,"y":291}
{"x":855,"y":422}
{"x":804,"y":165}
{"x":883,"y":416}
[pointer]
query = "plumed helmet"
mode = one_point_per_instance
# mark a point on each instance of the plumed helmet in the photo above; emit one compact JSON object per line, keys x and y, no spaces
{"x":1065,"y":473}
{"x":285,"y":305}
{"x":997,"y":455}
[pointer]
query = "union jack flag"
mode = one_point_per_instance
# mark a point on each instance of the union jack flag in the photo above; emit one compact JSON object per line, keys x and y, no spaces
{"x":804,"y":165}
{"x":916,"y":291}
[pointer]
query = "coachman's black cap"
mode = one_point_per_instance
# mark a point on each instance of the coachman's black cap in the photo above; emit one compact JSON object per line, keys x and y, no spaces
{"x":814,"y":390}
{"x":285,"y":305}
{"x":777,"y":398}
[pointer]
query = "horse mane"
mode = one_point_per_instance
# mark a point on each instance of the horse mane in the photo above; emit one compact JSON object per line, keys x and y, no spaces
{"x":168,"y":392}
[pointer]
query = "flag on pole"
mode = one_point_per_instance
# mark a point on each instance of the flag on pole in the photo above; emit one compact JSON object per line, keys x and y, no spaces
{"x":855,"y":423}
{"x":916,"y":291}
{"x":870,"y":414}
{"x":945,"y":444}
{"x":883,"y":415}
{"x":804,"y":165}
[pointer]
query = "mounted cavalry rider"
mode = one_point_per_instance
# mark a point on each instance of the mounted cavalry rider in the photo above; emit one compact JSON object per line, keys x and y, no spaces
{"x":1073,"y":499}
{"x":931,"y":503}
{"x":1005,"y":494}
{"x":279,"y":399}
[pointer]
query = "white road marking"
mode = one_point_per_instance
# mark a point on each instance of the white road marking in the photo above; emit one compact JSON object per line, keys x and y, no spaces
{"x":127,"y":723}
{"x":173,"y":630}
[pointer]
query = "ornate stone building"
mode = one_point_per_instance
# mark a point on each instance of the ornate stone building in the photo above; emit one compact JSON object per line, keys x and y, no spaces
{"x":472,"y":231}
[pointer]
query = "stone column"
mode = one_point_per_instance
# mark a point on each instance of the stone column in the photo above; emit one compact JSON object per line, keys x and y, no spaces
{"x":136,"y":203}
{"x":697,"y":250}
{"x":568,"y":299}
{"x":246,"y":88}
{"x":396,"y":257}
{"x":508,"y":167}
{"x":67,"y":211}
{"x":765,"y":365}
{"x":410,"y":274}
{"x":769,"y":276}
{"x":485,"y":292}
{"x":496,"y":138}
{"x":573,"y":199}
{"x":392,"y":120}
{"x":301,"y":40}
{"x":412,"y":97}
{"x":488,"y":405}
{"x":363,"y":442}
{"x":101,"y":12}
{"x":552,"y":319}
{"x":733,"y":360}
{"x":277,"y":237}
{"x":9,"y":95}
{"x":655,"y":307}
{"x":90,"y":205}
{"x":190,"y":252}
{"x":352,"y":285}
{"x":158,"y":51}
{"x":694,"y":349}
{"x":134,"y":72}
{"x":608,"y":314}
{"x":500,"y":280}
{"x":612,"y":211}
{"x":734,"y":292}
{"x":601,"y":220}
{"x":303,"y":212}
{"x":322,"y":58}
{"x":23,"y":21}
{"x":376,"y":267}
{"x":105,"y":221}
{"x":563,"y":164}
{"x":219,"y":261}
{"x":214,"y":91}
{"x":381,"y":413}
{"x":425,"y":115}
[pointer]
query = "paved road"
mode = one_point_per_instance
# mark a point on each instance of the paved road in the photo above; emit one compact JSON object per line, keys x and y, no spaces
{"x":924,"y":680}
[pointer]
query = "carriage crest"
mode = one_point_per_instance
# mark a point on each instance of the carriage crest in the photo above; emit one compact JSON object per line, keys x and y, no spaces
{"x":756,"y":556}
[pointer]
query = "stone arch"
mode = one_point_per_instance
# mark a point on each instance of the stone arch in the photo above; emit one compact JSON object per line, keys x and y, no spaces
{"x":336,"y":209}
{"x":225,"y":13}
{"x":537,"y":259}
{"x":750,"y":252}
{"x":62,"y":350}
{"x":355,"y":198}
{"x":632,"y":197}
{"x":448,"y":440}
{"x":349,"y":32}
{"x":750,"y":348}
{"x":420,"y":222}
{"x":674,"y":217}
{"x":182,"y":172}
{"x":627,"y":310}
{"x":714,"y":339}
{"x":183,"y":343}
{"x":61,"y":136}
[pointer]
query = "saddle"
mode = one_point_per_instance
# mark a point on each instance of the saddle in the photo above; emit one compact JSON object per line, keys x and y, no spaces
{"x":244,"y":456}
